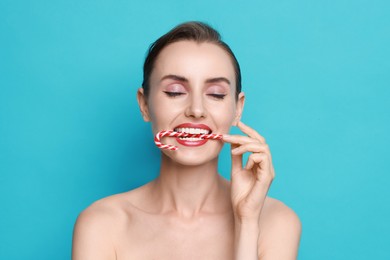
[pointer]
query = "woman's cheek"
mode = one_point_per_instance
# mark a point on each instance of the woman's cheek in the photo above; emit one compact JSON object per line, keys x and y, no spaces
{"x":162,"y":116}
{"x":224,"y":118}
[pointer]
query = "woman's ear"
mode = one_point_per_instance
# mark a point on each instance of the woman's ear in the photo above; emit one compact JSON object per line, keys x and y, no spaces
{"x":239,"y":107}
{"x":143,"y":105}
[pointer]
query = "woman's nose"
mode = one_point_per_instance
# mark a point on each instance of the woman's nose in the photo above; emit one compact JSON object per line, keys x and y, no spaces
{"x":196,"y":107}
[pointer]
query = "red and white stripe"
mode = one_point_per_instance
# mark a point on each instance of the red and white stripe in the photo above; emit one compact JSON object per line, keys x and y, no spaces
{"x":166,"y":133}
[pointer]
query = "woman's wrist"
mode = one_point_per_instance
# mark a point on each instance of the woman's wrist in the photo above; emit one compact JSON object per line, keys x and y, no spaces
{"x":247,"y":220}
{"x":246,"y":236}
{"x":249,"y":228}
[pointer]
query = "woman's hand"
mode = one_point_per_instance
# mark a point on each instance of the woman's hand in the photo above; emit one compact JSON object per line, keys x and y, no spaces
{"x":249,"y":184}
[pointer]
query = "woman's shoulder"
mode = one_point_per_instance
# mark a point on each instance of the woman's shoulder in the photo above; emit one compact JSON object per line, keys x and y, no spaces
{"x":277,"y":214}
{"x":101,"y":214}
{"x":280,"y":226}
{"x":113,"y":207}
{"x":104,"y":209}
{"x":97,"y":227}
{"x":98,"y":216}
{"x":276,"y":208}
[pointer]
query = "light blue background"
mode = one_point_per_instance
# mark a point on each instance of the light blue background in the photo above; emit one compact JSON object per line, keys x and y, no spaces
{"x":317,"y":79}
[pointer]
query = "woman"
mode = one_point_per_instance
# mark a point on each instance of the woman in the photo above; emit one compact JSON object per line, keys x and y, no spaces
{"x":192,"y":83}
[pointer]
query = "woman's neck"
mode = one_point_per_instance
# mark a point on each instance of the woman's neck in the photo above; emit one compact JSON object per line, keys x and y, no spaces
{"x":191,"y":190}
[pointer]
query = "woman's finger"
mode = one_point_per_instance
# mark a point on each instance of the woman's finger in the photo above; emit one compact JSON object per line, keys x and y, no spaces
{"x":238,"y":139}
{"x":259,"y":159}
{"x":236,"y":160}
{"x":250,"y":132}
{"x":251,"y":147}
{"x":260,"y":190}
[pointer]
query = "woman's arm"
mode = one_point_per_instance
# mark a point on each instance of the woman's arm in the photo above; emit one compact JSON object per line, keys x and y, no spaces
{"x":249,"y":188}
{"x":278,"y":238}
{"x":246,"y":237}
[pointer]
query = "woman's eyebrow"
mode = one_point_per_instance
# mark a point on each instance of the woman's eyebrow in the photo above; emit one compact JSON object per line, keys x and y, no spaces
{"x":183,"y":79}
{"x":174,"y":77}
{"x":217,"y":80}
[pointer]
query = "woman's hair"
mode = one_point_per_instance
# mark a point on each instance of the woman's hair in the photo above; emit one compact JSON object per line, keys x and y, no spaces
{"x":190,"y":31}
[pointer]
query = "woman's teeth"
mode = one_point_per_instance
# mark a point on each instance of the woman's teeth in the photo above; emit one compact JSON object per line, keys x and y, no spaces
{"x":192,"y":139}
{"x":192,"y":130}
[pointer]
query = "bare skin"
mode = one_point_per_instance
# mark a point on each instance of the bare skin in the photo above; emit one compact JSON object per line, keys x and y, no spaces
{"x":190,"y":211}
{"x":117,"y":228}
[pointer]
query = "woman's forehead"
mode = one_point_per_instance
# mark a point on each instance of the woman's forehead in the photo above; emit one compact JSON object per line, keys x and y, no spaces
{"x":192,"y":59}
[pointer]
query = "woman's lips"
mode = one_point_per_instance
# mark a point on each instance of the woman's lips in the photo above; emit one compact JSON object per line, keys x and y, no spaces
{"x":192,"y":129}
{"x":191,"y":143}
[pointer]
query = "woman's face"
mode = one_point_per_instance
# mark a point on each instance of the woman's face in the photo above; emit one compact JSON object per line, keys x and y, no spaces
{"x":192,"y":89}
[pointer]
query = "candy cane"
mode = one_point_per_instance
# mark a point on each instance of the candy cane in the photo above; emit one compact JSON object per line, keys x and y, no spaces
{"x":157,"y":138}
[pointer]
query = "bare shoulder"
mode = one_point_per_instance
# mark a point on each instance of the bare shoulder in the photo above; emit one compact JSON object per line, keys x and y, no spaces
{"x":102,"y":212}
{"x":280,"y":231}
{"x":97,"y":227}
{"x":92,"y":235}
{"x":276,"y":211}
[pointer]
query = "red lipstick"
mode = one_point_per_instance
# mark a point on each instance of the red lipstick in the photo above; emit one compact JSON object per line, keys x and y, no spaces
{"x":192,"y":129}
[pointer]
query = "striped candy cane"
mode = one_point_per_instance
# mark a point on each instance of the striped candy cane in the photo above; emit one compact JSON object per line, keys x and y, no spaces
{"x":157,"y":138}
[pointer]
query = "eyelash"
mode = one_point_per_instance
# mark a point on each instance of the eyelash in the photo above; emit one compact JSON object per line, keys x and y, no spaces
{"x":173,"y":94}
{"x":217,"y":96}
{"x":176,"y":94}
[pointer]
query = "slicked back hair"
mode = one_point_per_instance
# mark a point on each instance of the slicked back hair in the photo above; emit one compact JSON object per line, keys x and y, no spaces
{"x":198,"y":32}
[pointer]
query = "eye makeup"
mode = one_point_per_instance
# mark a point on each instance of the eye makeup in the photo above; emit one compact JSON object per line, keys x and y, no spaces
{"x":215,"y":88}
{"x":174,"y":90}
{"x":173,"y":94}
{"x":216,"y":91}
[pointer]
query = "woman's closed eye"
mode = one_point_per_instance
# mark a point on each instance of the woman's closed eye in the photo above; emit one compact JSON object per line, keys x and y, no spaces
{"x":173,"y":93}
{"x":175,"y":90}
{"x":217,"y":96}
{"x":217,"y":92}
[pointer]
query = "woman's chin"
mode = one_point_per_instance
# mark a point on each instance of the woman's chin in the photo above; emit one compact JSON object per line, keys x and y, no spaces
{"x":187,"y":156}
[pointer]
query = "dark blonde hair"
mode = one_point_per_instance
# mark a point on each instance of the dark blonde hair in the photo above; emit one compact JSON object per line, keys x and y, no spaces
{"x":192,"y":31}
